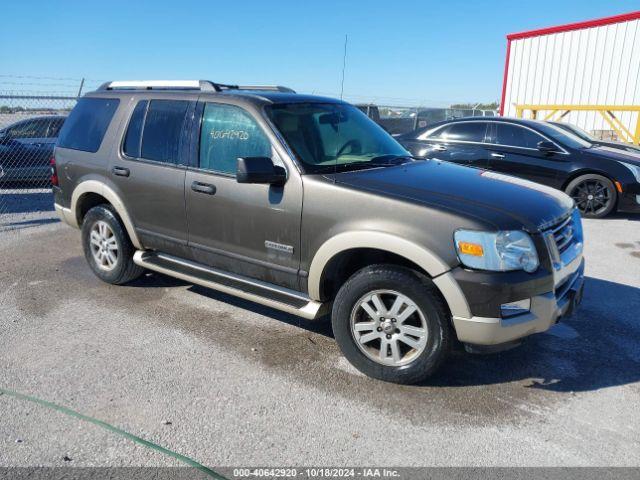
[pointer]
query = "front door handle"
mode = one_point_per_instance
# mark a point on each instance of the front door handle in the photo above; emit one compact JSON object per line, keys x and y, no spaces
{"x":499,"y":156}
{"x":440,"y":148}
{"x":121,"y":171}
{"x":206,"y":188}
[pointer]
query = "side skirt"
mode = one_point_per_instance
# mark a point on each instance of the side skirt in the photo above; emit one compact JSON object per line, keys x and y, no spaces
{"x":257,"y":291}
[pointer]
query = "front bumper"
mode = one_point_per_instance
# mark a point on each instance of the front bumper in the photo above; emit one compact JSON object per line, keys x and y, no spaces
{"x":629,"y":200}
{"x":546,"y":310}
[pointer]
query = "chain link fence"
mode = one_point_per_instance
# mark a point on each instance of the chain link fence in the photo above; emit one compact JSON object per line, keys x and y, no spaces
{"x":29,"y":127}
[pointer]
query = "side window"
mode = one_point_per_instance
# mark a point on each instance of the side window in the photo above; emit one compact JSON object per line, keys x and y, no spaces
{"x":87,"y":123}
{"x":54,"y":127}
{"x":29,"y":129}
{"x":227,"y":133}
{"x":163,"y":129}
{"x":516,"y":136}
{"x":133,"y":137}
{"x":465,"y":132}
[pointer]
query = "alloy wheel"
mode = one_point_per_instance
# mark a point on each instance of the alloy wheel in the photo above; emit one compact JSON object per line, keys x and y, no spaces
{"x":592,"y":197}
{"x":104,"y":245}
{"x":389,"y":328}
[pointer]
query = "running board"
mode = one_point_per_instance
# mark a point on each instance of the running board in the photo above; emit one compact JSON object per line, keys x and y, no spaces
{"x":264,"y":293}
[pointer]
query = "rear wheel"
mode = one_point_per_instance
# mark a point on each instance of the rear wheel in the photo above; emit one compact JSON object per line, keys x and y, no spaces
{"x":391,"y":324}
{"x":107,"y":247}
{"x":595,"y":195}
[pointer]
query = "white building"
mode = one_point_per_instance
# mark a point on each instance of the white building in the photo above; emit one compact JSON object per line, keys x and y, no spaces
{"x":593,"y":63}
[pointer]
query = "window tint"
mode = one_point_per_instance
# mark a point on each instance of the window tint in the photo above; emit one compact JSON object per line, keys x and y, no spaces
{"x":29,"y":129}
{"x":228,"y":133}
{"x":515,"y":136}
{"x":87,"y":123}
{"x":54,"y":127}
{"x":162,"y":130}
{"x":467,"y":132}
{"x":133,"y":137}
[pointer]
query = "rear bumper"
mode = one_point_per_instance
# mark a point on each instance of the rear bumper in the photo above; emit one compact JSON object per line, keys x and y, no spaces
{"x":66,"y":215}
{"x":546,"y":310}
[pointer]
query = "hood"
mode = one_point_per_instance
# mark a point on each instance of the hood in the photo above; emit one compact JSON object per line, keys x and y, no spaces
{"x":613,"y":153}
{"x":501,"y":200}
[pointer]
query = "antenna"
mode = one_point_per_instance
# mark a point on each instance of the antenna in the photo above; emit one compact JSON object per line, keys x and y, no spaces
{"x":344,"y":65}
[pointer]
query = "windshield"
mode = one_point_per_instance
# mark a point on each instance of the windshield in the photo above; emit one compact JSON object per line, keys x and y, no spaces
{"x":580,"y":132}
{"x":327,"y":136}
{"x":563,"y":136}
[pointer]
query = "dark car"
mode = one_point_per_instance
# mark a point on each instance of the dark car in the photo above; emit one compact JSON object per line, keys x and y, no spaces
{"x":582,"y":133}
{"x":600,"y":179}
{"x":26,"y":148}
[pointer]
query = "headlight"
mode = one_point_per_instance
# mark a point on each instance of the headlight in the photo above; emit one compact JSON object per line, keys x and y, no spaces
{"x":496,"y":251}
{"x":635,"y":170}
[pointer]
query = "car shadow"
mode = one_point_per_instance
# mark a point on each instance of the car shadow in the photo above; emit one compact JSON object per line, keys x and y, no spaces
{"x":596,"y":348}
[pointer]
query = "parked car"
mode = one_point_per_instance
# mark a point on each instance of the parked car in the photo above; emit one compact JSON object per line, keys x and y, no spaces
{"x":304,"y":204}
{"x":26,"y":148}
{"x":600,"y":179}
{"x":582,"y":133}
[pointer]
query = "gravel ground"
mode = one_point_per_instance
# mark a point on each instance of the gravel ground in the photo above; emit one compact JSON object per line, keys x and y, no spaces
{"x":230,"y":383}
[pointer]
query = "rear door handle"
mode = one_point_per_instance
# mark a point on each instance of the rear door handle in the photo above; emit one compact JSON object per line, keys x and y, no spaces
{"x":499,"y":156}
{"x":206,"y":188}
{"x":440,"y":148}
{"x":121,"y":171}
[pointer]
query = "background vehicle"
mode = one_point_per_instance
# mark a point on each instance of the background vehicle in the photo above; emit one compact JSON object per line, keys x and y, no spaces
{"x":601,"y":180}
{"x":582,"y":133}
{"x":304,"y":204}
{"x":26,"y":148}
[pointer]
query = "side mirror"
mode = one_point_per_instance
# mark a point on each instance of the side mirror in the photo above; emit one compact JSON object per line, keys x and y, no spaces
{"x":259,"y":170}
{"x":547,"y":147}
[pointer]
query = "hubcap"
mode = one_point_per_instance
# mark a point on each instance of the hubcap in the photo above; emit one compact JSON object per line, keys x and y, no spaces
{"x":104,"y":245}
{"x":388,"y":327}
{"x":592,"y":197}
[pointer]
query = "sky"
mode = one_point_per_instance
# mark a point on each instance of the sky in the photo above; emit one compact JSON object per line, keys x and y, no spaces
{"x":430,"y":53}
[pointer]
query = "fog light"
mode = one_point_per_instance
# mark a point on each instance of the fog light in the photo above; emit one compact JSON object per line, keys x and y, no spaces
{"x":515,"y":308}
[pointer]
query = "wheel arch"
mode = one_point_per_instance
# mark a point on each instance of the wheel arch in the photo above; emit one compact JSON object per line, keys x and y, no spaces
{"x":585,"y":171}
{"x":88,"y":194}
{"x":391,"y":247}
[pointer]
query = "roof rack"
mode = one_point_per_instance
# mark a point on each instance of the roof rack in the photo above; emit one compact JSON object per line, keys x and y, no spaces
{"x":201,"y":85}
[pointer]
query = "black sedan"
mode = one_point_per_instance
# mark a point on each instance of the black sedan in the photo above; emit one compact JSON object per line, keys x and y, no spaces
{"x":26,"y":148}
{"x":596,"y":141}
{"x":600,"y":179}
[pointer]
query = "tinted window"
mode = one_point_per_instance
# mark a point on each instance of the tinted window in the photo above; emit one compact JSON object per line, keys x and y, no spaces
{"x":133,"y":137}
{"x":228,"y":133}
{"x":467,"y":132}
{"x":162,"y":130}
{"x":516,"y":136}
{"x":54,"y":127}
{"x":87,"y":123}
{"x":29,"y":129}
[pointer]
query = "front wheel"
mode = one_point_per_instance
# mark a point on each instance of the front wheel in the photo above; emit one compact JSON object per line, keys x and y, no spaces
{"x":595,"y":195}
{"x":391,"y":324}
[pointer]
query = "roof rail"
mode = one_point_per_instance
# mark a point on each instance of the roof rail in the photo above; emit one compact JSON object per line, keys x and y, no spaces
{"x":202,"y":85}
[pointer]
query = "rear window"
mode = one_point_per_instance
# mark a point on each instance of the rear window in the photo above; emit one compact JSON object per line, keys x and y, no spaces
{"x":162,"y":130}
{"x":87,"y":123}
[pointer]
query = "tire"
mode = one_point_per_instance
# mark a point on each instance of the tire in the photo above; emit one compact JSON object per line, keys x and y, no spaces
{"x":107,"y":246}
{"x":354,"y":324}
{"x":595,"y":195}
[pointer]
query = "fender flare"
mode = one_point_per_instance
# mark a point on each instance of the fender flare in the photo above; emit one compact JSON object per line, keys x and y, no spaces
{"x":94,"y":186}
{"x":438,"y":270}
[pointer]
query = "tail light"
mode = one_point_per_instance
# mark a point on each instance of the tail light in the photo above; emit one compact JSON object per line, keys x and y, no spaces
{"x":54,"y":172}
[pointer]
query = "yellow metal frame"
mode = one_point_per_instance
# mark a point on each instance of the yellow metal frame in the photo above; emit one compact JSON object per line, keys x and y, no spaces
{"x":557,"y":112}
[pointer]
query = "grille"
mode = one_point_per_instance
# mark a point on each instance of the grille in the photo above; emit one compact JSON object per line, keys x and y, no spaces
{"x":563,"y":234}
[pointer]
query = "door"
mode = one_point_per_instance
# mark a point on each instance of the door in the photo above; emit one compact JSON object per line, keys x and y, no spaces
{"x":459,"y":142}
{"x":150,"y":169}
{"x":513,"y":149}
{"x":248,"y":229}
